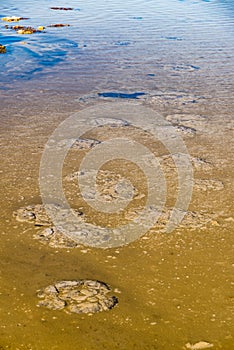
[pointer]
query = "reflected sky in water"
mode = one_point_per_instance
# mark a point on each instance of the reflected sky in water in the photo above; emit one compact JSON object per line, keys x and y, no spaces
{"x":107,"y":40}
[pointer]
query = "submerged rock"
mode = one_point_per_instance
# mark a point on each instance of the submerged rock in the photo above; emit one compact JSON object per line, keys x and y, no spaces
{"x":185,"y":130}
{"x":79,"y":296}
{"x":110,"y":185}
{"x":185,"y":67}
{"x":192,"y":220}
{"x":198,"y":163}
{"x":35,"y":214}
{"x":122,"y":43}
{"x":177,"y":99}
{"x":202,"y":164}
{"x":208,"y":184}
{"x":85,"y":144}
{"x":54,"y":238}
{"x":47,"y":233}
{"x":199,"y":345}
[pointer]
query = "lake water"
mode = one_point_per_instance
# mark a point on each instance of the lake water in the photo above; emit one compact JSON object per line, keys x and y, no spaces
{"x":122,"y":45}
{"x":177,"y":57}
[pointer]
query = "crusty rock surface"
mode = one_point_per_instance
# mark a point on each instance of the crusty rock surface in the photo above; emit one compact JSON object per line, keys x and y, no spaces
{"x":85,"y":144}
{"x":208,"y":185}
{"x":55,"y":238}
{"x":79,"y":296}
{"x":198,"y":346}
{"x":35,"y":214}
{"x":192,"y":220}
{"x":110,"y":185}
{"x":46,"y":233}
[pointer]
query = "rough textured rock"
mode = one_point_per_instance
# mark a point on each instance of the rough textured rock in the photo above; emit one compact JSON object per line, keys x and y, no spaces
{"x":192,"y":220}
{"x":200,"y":123}
{"x":202,"y":164}
{"x":183,"y":67}
{"x":35,"y":214}
{"x":197,"y":163}
{"x":172,"y":98}
{"x":55,"y":238}
{"x":207,"y":185}
{"x":109,"y":184}
{"x":48,"y":234}
{"x":79,"y":296}
{"x":185,"y":130}
{"x":85,"y":144}
{"x":199,"y":345}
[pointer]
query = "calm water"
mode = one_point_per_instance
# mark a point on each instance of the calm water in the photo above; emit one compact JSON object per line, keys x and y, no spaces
{"x":175,"y":289}
{"x":126,"y":45}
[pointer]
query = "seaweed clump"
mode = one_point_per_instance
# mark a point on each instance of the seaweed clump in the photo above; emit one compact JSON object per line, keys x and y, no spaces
{"x":2,"y":49}
{"x":58,"y":25}
{"x":25,"y":30}
{"x":13,"y":19}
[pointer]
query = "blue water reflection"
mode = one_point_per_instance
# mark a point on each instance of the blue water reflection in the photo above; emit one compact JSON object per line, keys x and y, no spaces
{"x":122,"y":34}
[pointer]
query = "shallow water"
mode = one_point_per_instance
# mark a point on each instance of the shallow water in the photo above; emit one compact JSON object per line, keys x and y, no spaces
{"x":120,"y":45}
{"x":175,"y":56}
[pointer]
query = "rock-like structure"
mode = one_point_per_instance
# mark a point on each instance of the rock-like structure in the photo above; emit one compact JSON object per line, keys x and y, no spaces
{"x":35,"y":214}
{"x":109,"y":185}
{"x":47,"y":233}
{"x":208,"y":185}
{"x":79,"y":296}
{"x":197,"y":163}
{"x":85,"y":144}
{"x":54,"y":238}
{"x":198,"y":346}
{"x":185,"y":130}
{"x":192,"y":220}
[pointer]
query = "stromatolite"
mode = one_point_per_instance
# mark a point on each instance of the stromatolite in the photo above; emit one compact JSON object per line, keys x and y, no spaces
{"x":54,"y":238}
{"x":35,"y":214}
{"x":85,"y":144}
{"x":79,"y":296}
{"x":47,"y":233}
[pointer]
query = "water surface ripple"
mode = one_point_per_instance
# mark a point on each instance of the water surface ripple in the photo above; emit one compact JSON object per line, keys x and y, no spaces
{"x":129,"y":44}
